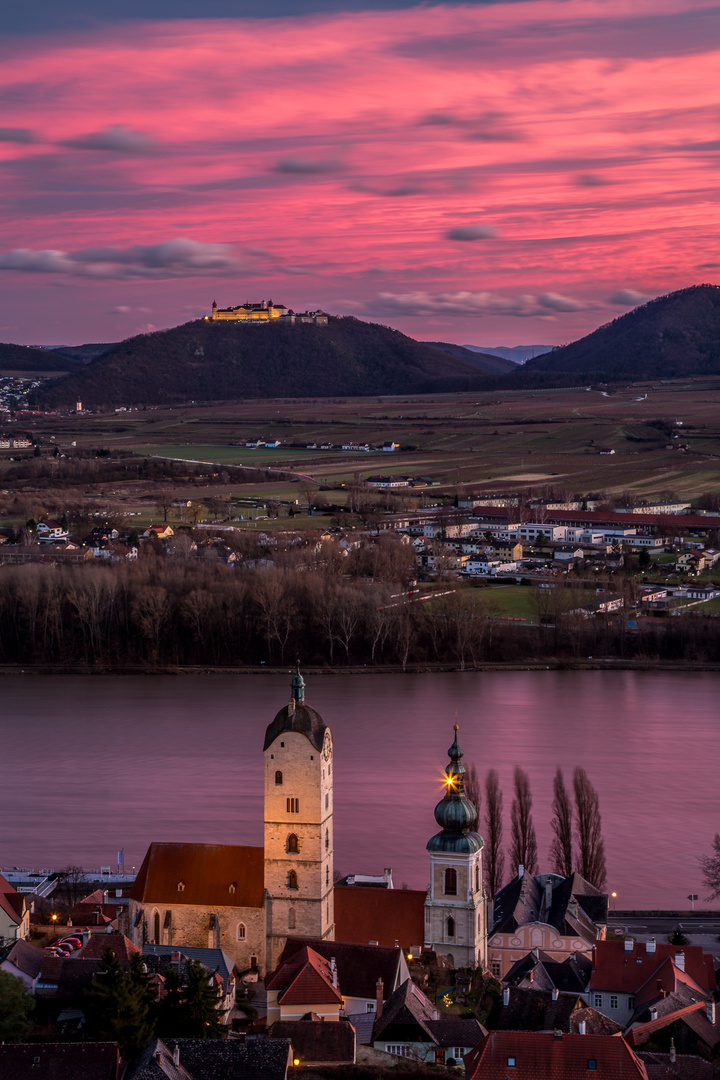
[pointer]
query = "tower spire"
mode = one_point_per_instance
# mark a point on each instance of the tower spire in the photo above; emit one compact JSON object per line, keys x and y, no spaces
{"x":455,"y":814}
{"x":297,"y":686}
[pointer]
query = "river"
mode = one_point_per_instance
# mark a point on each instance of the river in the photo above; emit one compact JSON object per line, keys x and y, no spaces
{"x":97,"y":763}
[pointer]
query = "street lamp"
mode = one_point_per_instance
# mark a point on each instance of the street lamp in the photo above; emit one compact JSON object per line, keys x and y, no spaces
{"x":614,"y":898}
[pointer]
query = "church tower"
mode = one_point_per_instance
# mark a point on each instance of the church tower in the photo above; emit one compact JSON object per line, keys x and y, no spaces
{"x":455,"y":909}
{"x":298,"y":755}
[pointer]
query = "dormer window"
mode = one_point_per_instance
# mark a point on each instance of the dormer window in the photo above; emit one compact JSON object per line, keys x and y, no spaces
{"x":232,"y":886}
{"x":181,"y":886}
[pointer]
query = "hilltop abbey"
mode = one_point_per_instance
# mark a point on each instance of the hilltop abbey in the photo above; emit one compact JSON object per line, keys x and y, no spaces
{"x":249,"y":900}
{"x":266,"y":312}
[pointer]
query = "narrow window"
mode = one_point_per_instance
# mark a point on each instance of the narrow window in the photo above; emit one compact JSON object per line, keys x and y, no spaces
{"x":613,"y":1001}
{"x":292,"y":882}
{"x":477,"y":877}
{"x":327,"y":800}
{"x":327,"y":875}
{"x":241,"y":931}
{"x":293,"y":806}
{"x":278,"y":777}
{"x":292,"y":844}
{"x":479,"y":924}
{"x":451,"y":927}
{"x":156,"y":928}
{"x":291,"y":918}
{"x":450,"y":882}
{"x":327,"y":839}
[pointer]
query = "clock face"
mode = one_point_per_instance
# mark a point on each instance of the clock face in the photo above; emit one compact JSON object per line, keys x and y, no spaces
{"x":327,"y":747}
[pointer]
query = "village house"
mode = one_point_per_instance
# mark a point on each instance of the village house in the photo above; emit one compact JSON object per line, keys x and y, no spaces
{"x":14,"y":914}
{"x":409,"y":1026}
{"x":51,"y":532}
{"x":530,"y":1055}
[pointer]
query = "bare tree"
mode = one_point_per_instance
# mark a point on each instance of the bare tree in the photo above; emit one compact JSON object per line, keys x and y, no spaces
{"x":523,"y":844}
{"x":710,"y":866}
{"x":472,"y":790}
{"x":561,"y":847}
{"x":72,"y":883}
{"x":494,"y":855}
{"x":164,"y":499}
{"x":588,"y":825}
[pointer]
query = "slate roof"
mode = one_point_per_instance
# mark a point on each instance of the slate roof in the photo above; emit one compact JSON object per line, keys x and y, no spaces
{"x":226,"y":1059}
{"x":693,"y":1016}
{"x":537,"y":970}
{"x":304,"y":978}
{"x":540,"y":1054}
{"x":329,"y":1043}
{"x":574,"y":905}
{"x":206,"y":870}
{"x":685,"y":1067}
{"x":406,"y":1014}
{"x":596,"y":1023}
{"x":212,"y":959}
{"x":26,"y":958}
{"x":59,"y":1061}
{"x":449,"y":1032}
{"x":97,"y":945}
{"x":615,"y":968}
{"x":665,"y":1003}
{"x":364,"y":914}
{"x":358,"y":966}
{"x":535,"y":1010}
{"x":363,"y":1024}
{"x":303,"y":719}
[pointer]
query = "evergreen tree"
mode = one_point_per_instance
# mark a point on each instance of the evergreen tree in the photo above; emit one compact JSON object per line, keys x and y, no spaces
{"x":523,"y":846}
{"x":561,"y":847}
{"x":115,"y":1009}
{"x":169,"y":1010}
{"x":201,"y":1004}
{"x":15,"y":1008}
{"x":494,"y":855}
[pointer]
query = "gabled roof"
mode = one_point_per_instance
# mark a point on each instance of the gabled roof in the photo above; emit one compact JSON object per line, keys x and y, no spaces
{"x":596,"y":1023}
{"x":26,"y":958}
{"x":642,"y":1032}
{"x":65,"y":976}
{"x":664,"y":1002}
{"x":536,"y":1010}
{"x":537,"y":970}
{"x":96,"y":946}
{"x":364,"y":914}
{"x":60,"y":1061}
{"x":408,"y":1008}
{"x":213,"y":959}
{"x":684,"y":1067}
{"x":539,"y":1054}
{"x":213,"y":1059}
{"x":615,"y":968}
{"x":206,"y":873}
{"x":358,"y":966}
{"x":452,"y":1032}
{"x":304,"y":979}
{"x":318,"y":1041}
{"x":11,"y":901}
{"x":575,"y":906}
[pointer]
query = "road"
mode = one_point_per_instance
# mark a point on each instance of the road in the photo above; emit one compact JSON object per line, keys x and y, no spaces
{"x":700,"y":927}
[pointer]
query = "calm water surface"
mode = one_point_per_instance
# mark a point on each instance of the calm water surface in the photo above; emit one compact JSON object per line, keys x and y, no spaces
{"x":93,"y":764}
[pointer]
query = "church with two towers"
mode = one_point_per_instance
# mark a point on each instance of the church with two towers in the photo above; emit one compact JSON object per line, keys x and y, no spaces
{"x":249,"y":900}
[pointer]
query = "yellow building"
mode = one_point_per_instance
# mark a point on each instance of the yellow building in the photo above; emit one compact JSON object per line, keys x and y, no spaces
{"x":265,"y":312}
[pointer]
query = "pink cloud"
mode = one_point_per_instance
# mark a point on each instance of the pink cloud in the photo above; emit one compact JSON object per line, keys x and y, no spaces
{"x":330,"y":145}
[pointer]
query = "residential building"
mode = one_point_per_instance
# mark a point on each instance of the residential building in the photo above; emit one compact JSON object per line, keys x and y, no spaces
{"x":560,"y":916}
{"x":526,"y":1009}
{"x":51,"y":532}
{"x":390,"y":447}
{"x":202,"y":1059}
{"x":455,"y":909}
{"x":24,"y":961}
{"x":537,"y":1055}
{"x":14,"y":914}
{"x":57,"y":1061}
{"x":695,"y":1028}
{"x":316,"y":1043}
{"x":627,"y":974}
{"x":410,"y":1027}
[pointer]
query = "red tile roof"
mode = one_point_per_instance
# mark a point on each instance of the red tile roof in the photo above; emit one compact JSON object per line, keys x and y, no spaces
{"x":123,"y":948}
{"x":305,"y":979}
{"x":206,"y":872}
{"x":386,"y":916}
{"x":614,"y":968}
{"x":11,"y":901}
{"x":640,"y":1034}
{"x":540,"y":1055}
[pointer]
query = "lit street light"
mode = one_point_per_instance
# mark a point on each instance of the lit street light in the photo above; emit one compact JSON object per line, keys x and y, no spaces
{"x":614,"y":898}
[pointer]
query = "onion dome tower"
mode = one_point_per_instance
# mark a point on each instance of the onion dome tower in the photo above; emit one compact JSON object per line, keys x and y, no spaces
{"x":455,"y":908}
{"x":298,"y":755}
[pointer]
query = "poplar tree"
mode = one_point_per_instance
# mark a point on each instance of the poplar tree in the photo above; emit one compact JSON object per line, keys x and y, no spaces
{"x":472,"y":791}
{"x":710,"y":866}
{"x":588,"y":827}
{"x":523,"y":844}
{"x":494,"y":855}
{"x":561,"y":853}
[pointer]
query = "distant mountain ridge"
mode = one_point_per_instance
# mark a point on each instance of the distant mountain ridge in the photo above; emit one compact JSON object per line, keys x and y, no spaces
{"x":32,"y":358}
{"x":220,"y":361}
{"x":491,"y":365}
{"x":517,"y":353}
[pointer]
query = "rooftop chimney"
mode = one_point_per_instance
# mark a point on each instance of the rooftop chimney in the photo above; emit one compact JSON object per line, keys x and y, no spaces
{"x":379,"y":988}
{"x":680,"y":960}
{"x":582,"y":1028}
{"x":521,"y":870}
{"x":387,"y":874}
{"x":176,"y":1054}
{"x":650,"y":946}
{"x":555,"y":993}
{"x":506,"y":996}
{"x":653,"y":1013}
{"x":672,"y":1051}
{"x":558,"y":1034}
{"x":629,"y":944}
{"x":711,"y":1012}
{"x":333,"y":971}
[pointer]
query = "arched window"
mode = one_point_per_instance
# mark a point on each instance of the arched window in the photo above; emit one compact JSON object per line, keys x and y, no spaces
{"x":241,"y":931}
{"x":450,"y":882}
{"x":156,"y":928}
{"x":292,"y":882}
{"x":278,"y":777}
{"x":292,"y":844}
{"x":327,"y":839}
{"x":291,"y":919}
{"x":450,"y":926}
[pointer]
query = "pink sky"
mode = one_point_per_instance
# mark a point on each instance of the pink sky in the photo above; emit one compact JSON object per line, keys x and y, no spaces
{"x":499,"y":174}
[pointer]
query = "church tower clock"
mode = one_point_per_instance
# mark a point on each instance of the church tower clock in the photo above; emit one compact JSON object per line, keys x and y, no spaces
{"x":298,"y":754}
{"x":455,"y":909}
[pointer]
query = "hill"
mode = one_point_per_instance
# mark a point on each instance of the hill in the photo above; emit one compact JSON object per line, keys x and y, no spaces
{"x":489,"y":365}
{"x":32,"y":358}
{"x":84,"y":353}
{"x":516,"y":353}
{"x":673,"y":336}
{"x":211,"y":361}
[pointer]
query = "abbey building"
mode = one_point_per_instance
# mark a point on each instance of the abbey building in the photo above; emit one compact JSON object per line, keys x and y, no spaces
{"x":249,"y":900}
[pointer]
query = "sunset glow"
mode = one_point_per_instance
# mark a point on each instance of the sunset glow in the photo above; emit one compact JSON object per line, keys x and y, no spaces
{"x":486,"y":174}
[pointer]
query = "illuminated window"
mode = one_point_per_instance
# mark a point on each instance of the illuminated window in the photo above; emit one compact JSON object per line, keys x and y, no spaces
{"x":292,"y":844}
{"x":450,"y":882}
{"x":278,"y":777}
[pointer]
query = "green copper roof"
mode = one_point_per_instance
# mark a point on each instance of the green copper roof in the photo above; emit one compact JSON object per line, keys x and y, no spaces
{"x":455,"y":814}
